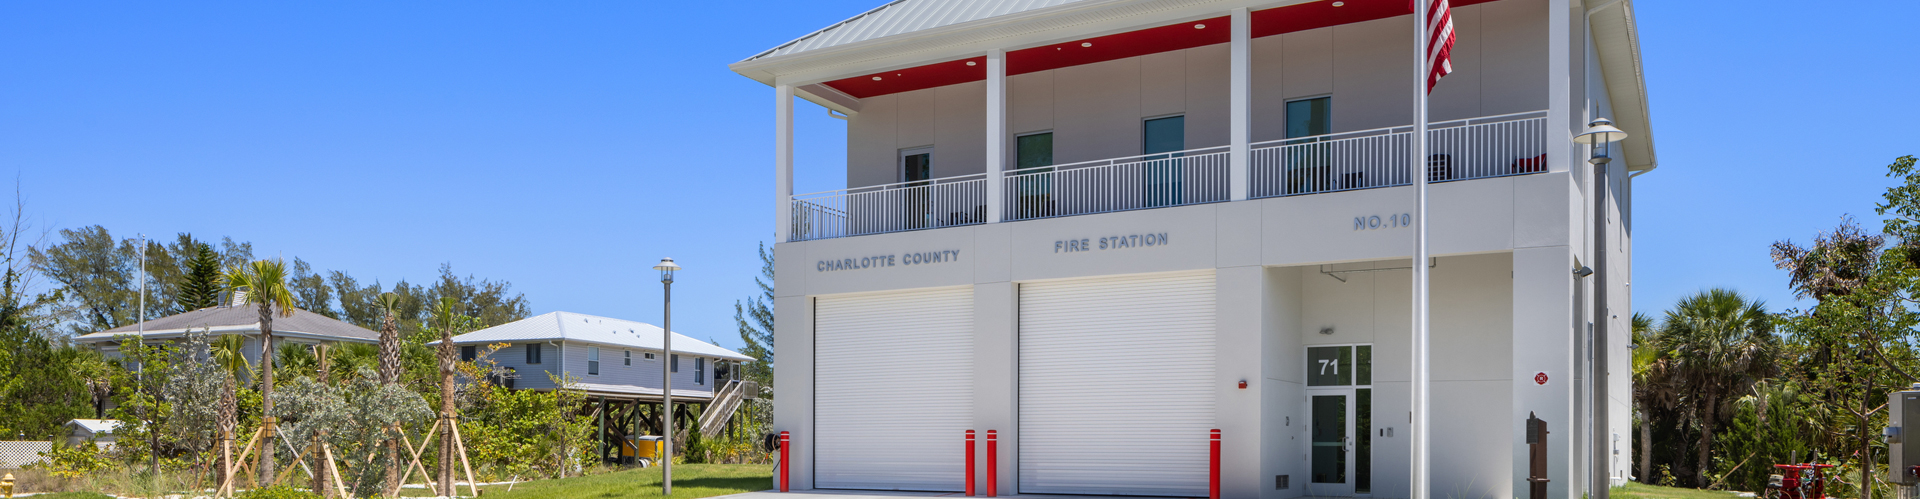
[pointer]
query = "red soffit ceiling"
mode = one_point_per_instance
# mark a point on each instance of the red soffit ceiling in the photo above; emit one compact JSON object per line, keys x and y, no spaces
{"x":1155,"y":40}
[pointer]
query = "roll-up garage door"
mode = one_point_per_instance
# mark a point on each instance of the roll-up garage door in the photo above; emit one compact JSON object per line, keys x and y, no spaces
{"x":893,"y":389}
{"x":1115,"y":385}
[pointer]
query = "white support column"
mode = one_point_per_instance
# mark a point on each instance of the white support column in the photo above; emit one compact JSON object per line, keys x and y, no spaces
{"x":1240,"y":117}
{"x":996,"y":132}
{"x":782,"y":162}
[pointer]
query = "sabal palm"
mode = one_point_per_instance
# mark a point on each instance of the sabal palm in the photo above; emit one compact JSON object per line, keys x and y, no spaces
{"x":1652,"y":390}
{"x":1718,"y":344}
{"x":263,"y":283}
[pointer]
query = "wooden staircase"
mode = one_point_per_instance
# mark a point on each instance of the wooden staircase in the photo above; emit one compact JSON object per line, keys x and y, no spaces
{"x":720,"y":410}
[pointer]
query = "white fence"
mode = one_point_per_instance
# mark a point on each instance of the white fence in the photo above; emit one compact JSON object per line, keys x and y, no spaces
{"x":1193,"y":176}
{"x":904,"y":206}
{"x":15,"y":454}
{"x":1492,"y":146}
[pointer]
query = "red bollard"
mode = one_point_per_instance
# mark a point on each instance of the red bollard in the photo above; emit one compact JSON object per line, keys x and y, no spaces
{"x":993,"y":451}
{"x":1213,"y":465}
{"x":969,"y":463}
{"x":785,"y":464}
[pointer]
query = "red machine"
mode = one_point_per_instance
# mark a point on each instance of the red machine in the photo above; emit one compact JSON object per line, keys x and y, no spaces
{"x":1799,"y":481}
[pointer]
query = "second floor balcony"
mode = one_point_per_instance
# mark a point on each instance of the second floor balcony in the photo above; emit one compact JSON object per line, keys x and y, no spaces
{"x":1485,"y":147}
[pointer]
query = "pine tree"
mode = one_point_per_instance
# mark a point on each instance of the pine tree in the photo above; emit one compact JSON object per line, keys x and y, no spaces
{"x":201,"y":286}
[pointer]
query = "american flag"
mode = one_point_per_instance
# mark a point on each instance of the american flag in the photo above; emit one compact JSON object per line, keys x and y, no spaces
{"x":1439,"y":41}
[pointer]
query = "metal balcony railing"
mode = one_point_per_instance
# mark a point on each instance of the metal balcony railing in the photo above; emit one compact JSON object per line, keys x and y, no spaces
{"x":1493,"y":146}
{"x":904,"y":206}
{"x":1181,"y":178}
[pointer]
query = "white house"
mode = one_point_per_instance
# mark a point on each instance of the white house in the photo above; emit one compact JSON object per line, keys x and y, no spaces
{"x":99,"y":431}
{"x":1102,"y":228}
{"x":618,"y":364}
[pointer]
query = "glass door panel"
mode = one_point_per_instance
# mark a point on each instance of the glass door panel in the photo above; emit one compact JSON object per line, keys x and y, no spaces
{"x":1329,"y":472}
{"x":1163,"y":173}
{"x":916,"y":168}
{"x":1363,"y":445}
{"x":1309,"y":120}
{"x":1035,"y":196}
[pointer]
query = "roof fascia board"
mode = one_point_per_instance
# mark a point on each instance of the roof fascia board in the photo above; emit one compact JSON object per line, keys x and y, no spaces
{"x":1011,"y":32}
{"x":1617,"y":42}
{"x":830,"y":98}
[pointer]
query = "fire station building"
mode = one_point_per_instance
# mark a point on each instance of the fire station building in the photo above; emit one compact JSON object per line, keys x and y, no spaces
{"x":1103,"y":228}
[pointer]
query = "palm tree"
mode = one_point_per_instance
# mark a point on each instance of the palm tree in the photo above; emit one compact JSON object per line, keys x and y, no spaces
{"x":263,"y":283}
{"x":443,"y":317}
{"x":229,"y":353}
{"x":1718,"y":344}
{"x":389,"y":375}
{"x":1651,"y":391}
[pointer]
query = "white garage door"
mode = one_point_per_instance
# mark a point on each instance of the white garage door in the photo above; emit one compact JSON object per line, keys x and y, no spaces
{"x":893,"y":388}
{"x":1115,"y":385}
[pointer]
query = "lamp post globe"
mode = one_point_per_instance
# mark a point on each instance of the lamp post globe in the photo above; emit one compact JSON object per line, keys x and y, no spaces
{"x":666,"y":268}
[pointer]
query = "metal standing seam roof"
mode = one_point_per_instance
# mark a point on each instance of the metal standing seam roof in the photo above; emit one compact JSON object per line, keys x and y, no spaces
{"x":237,"y":319}
{"x":905,"y":16}
{"x":96,"y":426}
{"x":571,"y":326}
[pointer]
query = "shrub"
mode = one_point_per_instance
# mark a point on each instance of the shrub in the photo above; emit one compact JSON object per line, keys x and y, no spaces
{"x":74,"y":461}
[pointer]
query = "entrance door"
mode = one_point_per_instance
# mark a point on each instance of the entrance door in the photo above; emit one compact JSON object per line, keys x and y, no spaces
{"x":916,"y":169}
{"x":1340,"y":417}
{"x":1332,"y":441}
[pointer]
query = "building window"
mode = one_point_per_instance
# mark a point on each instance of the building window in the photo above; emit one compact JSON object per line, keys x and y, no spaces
{"x":699,"y":370}
{"x":627,"y":360}
{"x":1162,"y":137}
{"x":648,"y":355}
{"x":1033,"y":152}
{"x":673,"y":363}
{"x":467,"y":353}
{"x":533,"y":353}
{"x":593,"y":361}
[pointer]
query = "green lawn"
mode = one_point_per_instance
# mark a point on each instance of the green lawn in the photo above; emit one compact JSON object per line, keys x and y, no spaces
{"x":689,"y":481}
{"x":1643,"y":491}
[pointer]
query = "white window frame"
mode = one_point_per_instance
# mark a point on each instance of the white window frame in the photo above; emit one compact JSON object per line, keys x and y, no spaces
{"x":593,"y":361}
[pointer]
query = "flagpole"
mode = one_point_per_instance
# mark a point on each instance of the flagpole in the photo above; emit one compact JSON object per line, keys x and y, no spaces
{"x":1422,"y":478}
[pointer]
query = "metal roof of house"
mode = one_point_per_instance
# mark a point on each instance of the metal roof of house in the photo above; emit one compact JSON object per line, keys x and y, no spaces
{"x":239,"y":320}
{"x":570,"y":326}
{"x":96,"y":426}
{"x":905,"y":16}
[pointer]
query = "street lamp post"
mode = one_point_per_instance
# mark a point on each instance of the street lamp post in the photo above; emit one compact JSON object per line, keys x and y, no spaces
{"x":666,"y":268}
{"x":1601,"y":135}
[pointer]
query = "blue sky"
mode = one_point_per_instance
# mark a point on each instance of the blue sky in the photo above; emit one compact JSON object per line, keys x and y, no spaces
{"x":567,"y":146}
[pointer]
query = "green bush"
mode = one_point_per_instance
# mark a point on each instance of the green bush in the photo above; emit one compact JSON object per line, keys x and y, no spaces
{"x":277,"y":492}
{"x":74,"y":461}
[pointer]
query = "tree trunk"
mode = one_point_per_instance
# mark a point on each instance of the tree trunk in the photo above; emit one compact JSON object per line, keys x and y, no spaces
{"x":1706,"y":442}
{"x":1646,"y":447}
{"x":1866,"y":449}
{"x":321,"y":465}
{"x":447,"y":449}
{"x":390,"y":375}
{"x":267,"y":444}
